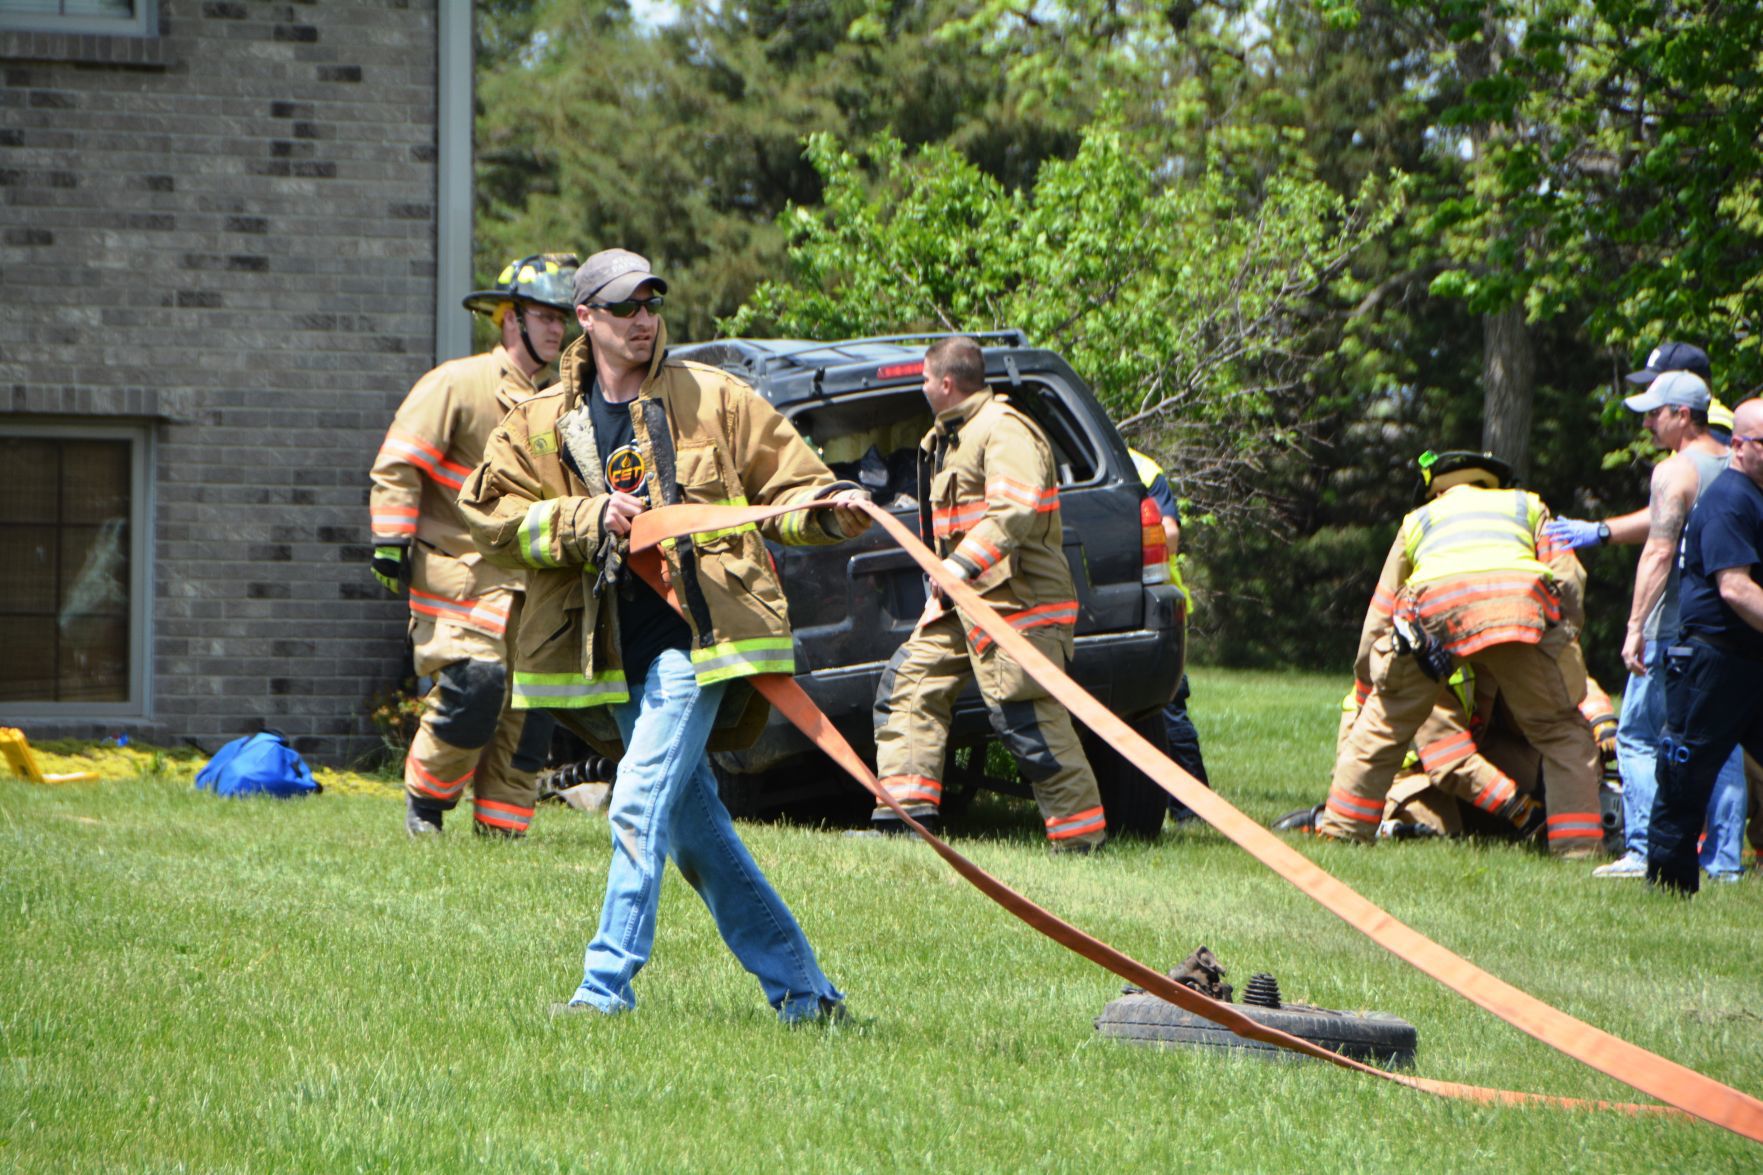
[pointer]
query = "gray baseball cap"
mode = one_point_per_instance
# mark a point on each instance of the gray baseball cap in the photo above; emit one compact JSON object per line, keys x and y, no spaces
{"x":1676,"y":389}
{"x":612,"y":275}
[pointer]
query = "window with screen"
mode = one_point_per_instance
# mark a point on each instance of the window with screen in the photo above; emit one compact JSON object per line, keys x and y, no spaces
{"x":71,"y":580}
{"x":137,"y":18}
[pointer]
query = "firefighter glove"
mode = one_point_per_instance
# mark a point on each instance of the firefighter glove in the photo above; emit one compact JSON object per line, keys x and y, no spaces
{"x":391,"y":566}
{"x":1433,"y":658}
{"x":1574,"y":533}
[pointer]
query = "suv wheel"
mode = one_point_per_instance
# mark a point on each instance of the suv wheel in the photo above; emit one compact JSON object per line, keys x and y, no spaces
{"x":1135,"y":805}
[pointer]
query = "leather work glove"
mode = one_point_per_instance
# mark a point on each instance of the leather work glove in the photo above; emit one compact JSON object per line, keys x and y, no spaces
{"x":391,"y":566}
{"x":1574,"y":533}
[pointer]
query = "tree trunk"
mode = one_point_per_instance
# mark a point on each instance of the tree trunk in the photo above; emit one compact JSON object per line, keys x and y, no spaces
{"x":1508,"y":376}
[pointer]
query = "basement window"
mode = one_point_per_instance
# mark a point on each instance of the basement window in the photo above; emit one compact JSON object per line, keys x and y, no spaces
{"x":73,"y":570}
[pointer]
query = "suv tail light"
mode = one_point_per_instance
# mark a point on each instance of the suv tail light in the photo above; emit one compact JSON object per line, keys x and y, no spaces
{"x":1153,"y":542}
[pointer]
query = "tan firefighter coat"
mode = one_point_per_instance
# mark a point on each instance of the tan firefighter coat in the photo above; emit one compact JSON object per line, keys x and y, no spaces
{"x":705,"y":437}
{"x":992,"y":504}
{"x":435,"y":441}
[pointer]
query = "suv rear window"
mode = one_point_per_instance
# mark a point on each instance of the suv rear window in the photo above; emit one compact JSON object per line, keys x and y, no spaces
{"x":872,"y":438}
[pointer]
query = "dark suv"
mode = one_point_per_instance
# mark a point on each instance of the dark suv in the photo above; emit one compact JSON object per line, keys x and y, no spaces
{"x":860,"y":403}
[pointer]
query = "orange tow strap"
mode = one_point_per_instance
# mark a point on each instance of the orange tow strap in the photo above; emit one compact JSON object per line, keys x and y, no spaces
{"x":1680,"y":1087}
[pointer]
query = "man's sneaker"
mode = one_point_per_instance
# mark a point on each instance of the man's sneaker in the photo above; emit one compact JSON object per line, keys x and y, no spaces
{"x":1729,"y":878}
{"x":1303,"y":820}
{"x":1627,"y":865}
{"x":421,"y":819}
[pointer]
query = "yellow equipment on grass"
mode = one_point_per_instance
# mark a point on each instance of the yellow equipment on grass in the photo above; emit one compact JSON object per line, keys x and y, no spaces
{"x":16,"y":749}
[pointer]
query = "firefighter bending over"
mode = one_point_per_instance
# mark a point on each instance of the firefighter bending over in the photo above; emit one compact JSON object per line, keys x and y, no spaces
{"x":462,"y":609}
{"x":1470,"y":577}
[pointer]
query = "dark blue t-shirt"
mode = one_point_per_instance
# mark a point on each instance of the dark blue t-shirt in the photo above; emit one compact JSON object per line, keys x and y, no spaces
{"x":1159,"y":492}
{"x":1725,"y":530}
{"x":646,"y":622}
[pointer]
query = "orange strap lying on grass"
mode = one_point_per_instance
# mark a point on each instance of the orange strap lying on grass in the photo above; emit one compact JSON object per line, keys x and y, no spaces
{"x":1677,"y":1086}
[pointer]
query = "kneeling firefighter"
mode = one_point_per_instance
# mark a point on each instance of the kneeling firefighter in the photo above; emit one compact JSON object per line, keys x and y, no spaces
{"x":463,"y":611}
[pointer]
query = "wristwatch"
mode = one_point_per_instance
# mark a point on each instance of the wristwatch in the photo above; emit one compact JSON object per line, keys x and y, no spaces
{"x":1603,"y":534}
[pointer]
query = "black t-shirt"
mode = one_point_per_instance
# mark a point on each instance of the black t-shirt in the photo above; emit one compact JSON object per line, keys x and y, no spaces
{"x":1725,"y":530}
{"x":647,"y":624}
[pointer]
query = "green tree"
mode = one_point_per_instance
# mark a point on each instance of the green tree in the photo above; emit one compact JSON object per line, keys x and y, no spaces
{"x":684,"y":141}
{"x":1190,"y":307}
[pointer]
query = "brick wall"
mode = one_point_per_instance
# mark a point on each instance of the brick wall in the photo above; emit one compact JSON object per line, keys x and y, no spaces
{"x":230,"y":234}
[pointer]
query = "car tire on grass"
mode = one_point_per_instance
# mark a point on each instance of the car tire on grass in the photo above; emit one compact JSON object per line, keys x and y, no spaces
{"x":1374,"y":1037}
{"x":1135,"y":805}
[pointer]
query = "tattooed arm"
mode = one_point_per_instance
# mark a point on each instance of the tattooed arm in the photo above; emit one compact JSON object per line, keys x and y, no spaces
{"x":1673,"y":493}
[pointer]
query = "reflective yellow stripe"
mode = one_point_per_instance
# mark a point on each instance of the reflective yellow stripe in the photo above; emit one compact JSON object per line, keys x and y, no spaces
{"x":566,"y":691}
{"x":1469,"y":530}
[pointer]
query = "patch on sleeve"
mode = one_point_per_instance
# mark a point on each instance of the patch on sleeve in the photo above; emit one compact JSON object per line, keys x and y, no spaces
{"x":542,"y":443}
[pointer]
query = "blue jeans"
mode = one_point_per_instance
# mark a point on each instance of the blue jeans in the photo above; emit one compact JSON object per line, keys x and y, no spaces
{"x":1637,"y":752}
{"x":664,"y":804}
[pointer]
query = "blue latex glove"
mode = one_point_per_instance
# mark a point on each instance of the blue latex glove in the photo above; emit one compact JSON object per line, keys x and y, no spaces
{"x":1571,"y":533}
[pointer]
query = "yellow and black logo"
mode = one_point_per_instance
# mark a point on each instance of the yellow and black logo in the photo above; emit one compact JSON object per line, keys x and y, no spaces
{"x":625,"y":471}
{"x":542,"y":443}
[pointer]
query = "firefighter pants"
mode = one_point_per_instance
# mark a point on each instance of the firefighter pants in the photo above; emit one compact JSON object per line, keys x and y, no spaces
{"x":468,"y":736}
{"x":1542,"y":689}
{"x":916,"y":700}
{"x":1466,"y":776}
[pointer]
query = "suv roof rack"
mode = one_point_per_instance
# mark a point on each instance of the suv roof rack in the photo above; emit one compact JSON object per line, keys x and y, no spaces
{"x":761,"y":355}
{"x":1011,"y":335}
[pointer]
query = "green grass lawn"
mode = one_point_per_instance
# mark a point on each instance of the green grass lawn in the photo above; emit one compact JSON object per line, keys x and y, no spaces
{"x":201,"y":984}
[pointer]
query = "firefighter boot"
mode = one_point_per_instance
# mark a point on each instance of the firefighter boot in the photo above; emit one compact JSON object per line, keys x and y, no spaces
{"x":421,"y":819}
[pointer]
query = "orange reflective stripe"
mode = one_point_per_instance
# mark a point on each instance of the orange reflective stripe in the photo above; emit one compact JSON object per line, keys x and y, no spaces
{"x":1383,"y":601}
{"x":426,"y":458}
{"x":439,"y":789}
{"x":1435,"y":602}
{"x":1033,"y":497}
{"x":1066,"y":827}
{"x":1508,"y":634}
{"x":1494,"y":796}
{"x":913,"y":789}
{"x":1575,"y":826}
{"x":1352,"y":807}
{"x":1444,"y":752}
{"x":499,"y":815}
{"x":982,"y":554}
{"x":399,"y":520}
{"x":478,"y":613}
{"x":1041,"y":615}
{"x":957,"y":518}
{"x":1361,"y":691}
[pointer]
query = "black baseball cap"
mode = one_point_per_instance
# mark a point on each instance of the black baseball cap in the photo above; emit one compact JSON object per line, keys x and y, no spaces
{"x":1674,"y":357}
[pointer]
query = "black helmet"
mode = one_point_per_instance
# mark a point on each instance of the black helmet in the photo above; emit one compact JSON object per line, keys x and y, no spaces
{"x":545,"y":278}
{"x":1436,"y":470}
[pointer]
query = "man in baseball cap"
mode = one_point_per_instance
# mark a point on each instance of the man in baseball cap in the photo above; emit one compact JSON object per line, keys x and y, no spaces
{"x":611,"y":276}
{"x":1667,"y":357}
{"x":1674,"y":409}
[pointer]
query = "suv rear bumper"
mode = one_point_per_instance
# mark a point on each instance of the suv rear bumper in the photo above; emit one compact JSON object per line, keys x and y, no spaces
{"x":1131,"y":673}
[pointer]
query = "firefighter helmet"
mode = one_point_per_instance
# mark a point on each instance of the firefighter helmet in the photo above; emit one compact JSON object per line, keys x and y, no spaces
{"x":1454,"y":467}
{"x":545,"y":278}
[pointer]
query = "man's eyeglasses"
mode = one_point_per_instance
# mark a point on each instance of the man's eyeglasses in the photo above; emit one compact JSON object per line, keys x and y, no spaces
{"x":629,"y":307}
{"x":1736,"y":438}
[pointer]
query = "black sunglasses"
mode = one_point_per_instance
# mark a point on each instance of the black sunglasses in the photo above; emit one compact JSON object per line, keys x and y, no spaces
{"x":629,"y":307}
